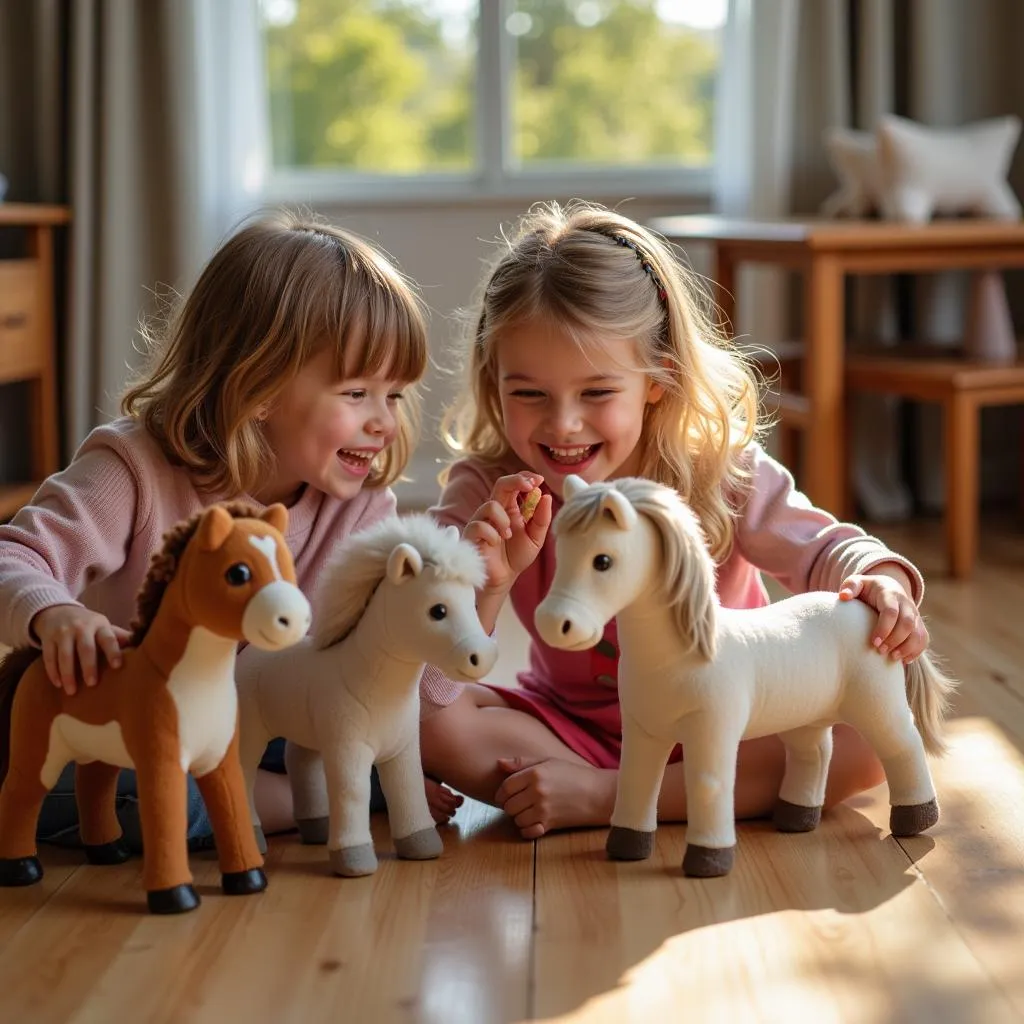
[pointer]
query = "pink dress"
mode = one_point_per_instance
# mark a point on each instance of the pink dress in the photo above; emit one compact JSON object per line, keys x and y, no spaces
{"x":778,"y":531}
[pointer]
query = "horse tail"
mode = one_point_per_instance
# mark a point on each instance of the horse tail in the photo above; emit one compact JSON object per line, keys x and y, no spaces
{"x":12,"y":668}
{"x":928,"y":693}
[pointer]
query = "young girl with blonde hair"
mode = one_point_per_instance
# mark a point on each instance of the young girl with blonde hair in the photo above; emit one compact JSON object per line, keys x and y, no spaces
{"x":593,"y":351}
{"x":287,"y":375}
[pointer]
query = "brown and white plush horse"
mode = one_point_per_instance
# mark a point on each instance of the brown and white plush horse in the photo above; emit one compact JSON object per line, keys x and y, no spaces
{"x":223,"y":576}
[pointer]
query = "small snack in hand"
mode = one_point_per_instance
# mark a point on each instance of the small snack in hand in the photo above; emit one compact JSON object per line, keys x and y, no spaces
{"x":530,"y":504}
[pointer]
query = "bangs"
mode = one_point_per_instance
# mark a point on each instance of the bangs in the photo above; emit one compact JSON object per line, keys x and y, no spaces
{"x":376,"y":326}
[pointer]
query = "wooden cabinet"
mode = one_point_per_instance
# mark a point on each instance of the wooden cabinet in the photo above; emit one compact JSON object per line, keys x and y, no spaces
{"x":28,"y":349}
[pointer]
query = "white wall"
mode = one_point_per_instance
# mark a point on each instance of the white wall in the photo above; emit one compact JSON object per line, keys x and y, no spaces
{"x":444,"y":248}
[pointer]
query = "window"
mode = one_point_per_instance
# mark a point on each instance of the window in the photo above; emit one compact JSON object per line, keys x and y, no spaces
{"x":490,"y":97}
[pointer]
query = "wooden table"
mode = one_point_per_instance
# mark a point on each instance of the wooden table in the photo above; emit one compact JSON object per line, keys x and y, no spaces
{"x":27,"y":341}
{"x":825,"y":251}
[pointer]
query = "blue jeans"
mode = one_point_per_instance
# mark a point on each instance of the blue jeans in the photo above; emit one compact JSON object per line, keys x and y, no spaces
{"x":58,"y":819}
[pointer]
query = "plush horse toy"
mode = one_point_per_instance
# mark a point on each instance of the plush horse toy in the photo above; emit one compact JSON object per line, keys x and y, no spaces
{"x":708,"y":677}
{"x":394,"y":597}
{"x":223,"y":576}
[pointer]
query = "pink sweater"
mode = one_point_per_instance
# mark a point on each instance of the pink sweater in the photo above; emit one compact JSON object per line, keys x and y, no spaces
{"x":90,"y":530}
{"x":778,"y":531}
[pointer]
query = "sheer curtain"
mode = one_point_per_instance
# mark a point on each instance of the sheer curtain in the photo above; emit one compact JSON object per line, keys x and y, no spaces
{"x":146,"y":117}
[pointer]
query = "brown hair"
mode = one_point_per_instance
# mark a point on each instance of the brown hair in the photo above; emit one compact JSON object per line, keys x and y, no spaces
{"x":601,"y":277}
{"x":273,"y":296}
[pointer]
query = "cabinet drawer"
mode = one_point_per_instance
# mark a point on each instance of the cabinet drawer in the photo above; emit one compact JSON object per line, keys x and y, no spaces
{"x":22,"y":349}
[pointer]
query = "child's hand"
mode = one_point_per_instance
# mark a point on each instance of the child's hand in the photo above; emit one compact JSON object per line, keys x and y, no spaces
{"x":900,"y":631}
{"x":508,"y":543}
{"x":443,"y":803}
{"x":69,"y":636}
{"x":552,"y":793}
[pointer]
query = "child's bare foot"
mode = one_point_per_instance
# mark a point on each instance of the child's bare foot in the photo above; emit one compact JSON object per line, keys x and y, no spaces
{"x":552,"y":793}
{"x":443,"y":803}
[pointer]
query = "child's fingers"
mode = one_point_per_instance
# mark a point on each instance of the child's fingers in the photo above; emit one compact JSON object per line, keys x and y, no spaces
{"x":533,"y":831}
{"x":121,"y":635}
{"x":914,"y":646}
{"x":86,"y":649}
{"x":109,"y":645}
{"x":50,"y":664}
{"x":479,"y":532}
{"x":537,"y":527}
{"x":888,"y":613}
{"x":851,"y":588}
{"x":66,"y":662}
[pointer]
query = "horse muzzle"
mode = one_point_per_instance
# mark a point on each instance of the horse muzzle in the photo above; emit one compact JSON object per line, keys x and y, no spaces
{"x":472,"y":660}
{"x":566,"y":624}
{"x":277,"y":616}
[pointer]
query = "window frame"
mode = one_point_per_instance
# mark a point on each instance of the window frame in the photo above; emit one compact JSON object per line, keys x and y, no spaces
{"x":495,"y":178}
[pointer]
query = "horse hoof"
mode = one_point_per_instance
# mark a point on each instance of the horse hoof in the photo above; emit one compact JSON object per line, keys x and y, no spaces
{"x":19,"y":871}
{"x":314,"y":831}
{"x":261,"y":839}
{"x":629,"y":844}
{"x":354,"y":861}
{"x":708,"y":861}
{"x":912,"y":819}
{"x":795,"y":817}
{"x":243,"y":883}
{"x":423,"y":845}
{"x":116,"y":852}
{"x":179,"y":899}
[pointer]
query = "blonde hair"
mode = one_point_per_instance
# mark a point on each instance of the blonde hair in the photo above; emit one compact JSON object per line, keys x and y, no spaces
{"x":604,"y":277}
{"x":276,"y":294}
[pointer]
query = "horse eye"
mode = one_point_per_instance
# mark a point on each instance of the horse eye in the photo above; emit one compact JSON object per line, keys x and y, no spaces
{"x":238,"y":575}
{"x":438,"y":612}
{"x":602,"y":563}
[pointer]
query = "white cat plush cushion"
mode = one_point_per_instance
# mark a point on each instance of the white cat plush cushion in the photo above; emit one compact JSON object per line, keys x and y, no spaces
{"x":925,"y":171}
{"x":909,"y":172}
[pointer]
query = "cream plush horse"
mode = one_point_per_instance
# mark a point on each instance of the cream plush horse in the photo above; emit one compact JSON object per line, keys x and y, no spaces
{"x":395,"y":597}
{"x":707,"y":677}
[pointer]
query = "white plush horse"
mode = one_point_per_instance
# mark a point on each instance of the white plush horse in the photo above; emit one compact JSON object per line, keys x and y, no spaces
{"x":394,"y":597}
{"x":694,"y":672}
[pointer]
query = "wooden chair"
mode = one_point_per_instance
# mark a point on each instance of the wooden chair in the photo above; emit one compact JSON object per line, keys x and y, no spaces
{"x":962,"y":387}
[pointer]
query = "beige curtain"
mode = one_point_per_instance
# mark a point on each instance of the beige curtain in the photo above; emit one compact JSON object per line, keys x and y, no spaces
{"x":133,"y":112}
{"x":844,"y":63}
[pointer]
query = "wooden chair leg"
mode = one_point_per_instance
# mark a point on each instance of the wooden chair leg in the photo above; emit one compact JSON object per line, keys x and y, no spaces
{"x":962,"y":431}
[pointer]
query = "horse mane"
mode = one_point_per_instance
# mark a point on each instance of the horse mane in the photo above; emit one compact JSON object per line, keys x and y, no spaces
{"x":164,"y":564}
{"x":359,"y":563}
{"x":688,"y":570}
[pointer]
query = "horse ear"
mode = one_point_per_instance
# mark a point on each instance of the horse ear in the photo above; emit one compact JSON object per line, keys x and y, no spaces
{"x":404,"y":563}
{"x":617,"y":506}
{"x":276,"y":515}
{"x":453,"y":532}
{"x":214,"y":527}
{"x":572,"y":485}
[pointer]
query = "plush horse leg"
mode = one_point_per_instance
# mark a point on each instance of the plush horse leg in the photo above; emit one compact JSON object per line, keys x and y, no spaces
{"x":252,"y":741}
{"x":305,"y":769}
{"x":914,"y":807}
{"x":412,"y":826}
{"x":96,"y":796}
{"x":347,"y":769}
{"x":164,"y":818}
{"x":709,"y":767}
{"x":641,"y":770}
{"x":32,"y":771}
{"x":891,"y":732}
{"x":808,"y":753}
{"x":223,"y":792}
{"x":20,"y":801}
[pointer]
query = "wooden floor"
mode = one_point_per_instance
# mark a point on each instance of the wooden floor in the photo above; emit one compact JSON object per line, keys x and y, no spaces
{"x":846,"y":924}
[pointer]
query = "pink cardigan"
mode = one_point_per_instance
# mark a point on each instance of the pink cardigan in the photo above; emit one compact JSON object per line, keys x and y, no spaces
{"x":90,"y":530}
{"x":778,"y":531}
